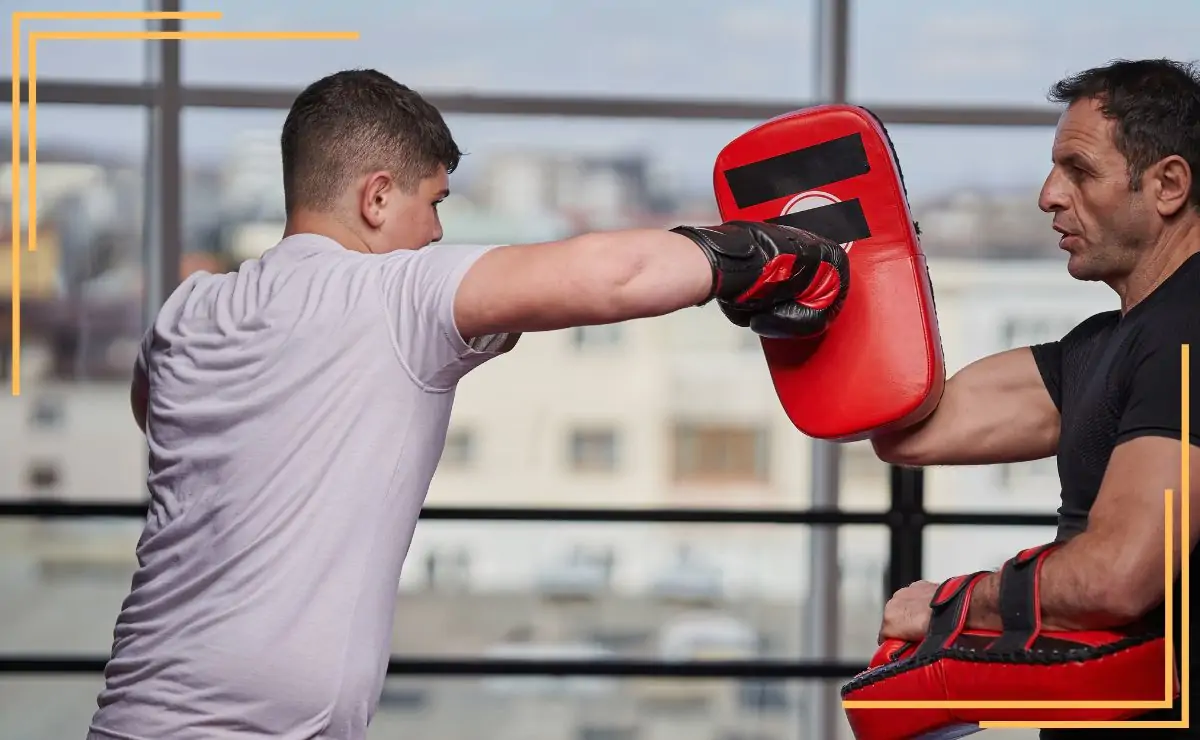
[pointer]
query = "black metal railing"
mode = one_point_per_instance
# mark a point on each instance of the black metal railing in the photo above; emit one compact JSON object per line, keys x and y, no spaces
{"x":906,"y":520}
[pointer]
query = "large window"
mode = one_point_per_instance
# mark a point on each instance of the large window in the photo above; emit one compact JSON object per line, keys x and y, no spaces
{"x":706,"y":49}
{"x":951,"y":53}
{"x":70,"y":433}
{"x":628,"y":495}
{"x":99,"y":61}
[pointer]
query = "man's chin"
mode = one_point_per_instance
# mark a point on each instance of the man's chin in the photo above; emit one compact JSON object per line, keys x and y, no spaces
{"x":1081,"y":269}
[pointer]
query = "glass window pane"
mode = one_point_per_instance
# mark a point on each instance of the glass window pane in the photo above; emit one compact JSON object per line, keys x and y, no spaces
{"x":865,"y":479}
{"x":689,"y":368}
{"x":70,"y":434}
{"x":956,"y":550}
{"x":102,"y":60}
{"x":516,"y":590}
{"x":1002,"y":54}
{"x":47,"y":707}
{"x":760,"y":49}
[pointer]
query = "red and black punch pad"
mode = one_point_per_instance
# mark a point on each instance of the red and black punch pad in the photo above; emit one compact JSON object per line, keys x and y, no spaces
{"x":831,"y":170}
{"x":1022,"y":662}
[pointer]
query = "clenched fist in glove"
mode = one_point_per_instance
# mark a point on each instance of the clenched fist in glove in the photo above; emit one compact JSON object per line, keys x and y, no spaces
{"x":777,"y":280}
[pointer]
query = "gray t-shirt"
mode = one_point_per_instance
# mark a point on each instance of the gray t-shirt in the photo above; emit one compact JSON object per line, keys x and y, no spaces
{"x":298,"y":409}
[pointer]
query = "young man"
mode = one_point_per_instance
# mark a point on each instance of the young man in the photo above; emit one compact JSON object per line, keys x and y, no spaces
{"x":296,"y":409}
{"x":1125,"y":194}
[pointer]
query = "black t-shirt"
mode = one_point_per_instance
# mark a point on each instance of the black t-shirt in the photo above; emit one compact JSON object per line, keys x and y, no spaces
{"x":1113,"y":379}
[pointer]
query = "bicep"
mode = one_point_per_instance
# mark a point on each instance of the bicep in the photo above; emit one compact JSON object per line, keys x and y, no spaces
{"x":539,"y":287}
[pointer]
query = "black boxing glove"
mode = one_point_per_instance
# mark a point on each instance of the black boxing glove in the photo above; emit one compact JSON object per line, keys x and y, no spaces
{"x":776,"y":280}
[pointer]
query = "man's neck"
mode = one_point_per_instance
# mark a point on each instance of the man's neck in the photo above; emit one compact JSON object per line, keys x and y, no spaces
{"x":1159,"y":263}
{"x":321,"y":224}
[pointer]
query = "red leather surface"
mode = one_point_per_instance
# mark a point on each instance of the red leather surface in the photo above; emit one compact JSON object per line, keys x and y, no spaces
{"x":1134,"y":674}
{"x":880,"y":364}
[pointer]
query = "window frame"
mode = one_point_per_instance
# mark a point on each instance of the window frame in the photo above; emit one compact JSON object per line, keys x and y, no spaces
{"x":906,"y":516}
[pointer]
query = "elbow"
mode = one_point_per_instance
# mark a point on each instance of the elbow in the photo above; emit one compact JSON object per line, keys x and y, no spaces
{"x":1128,"y":597}
{"x":1120,"y":608}
{"x":1140,"y":599}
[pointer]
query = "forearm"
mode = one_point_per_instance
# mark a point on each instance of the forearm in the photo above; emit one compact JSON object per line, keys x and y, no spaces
{"x":656,"y":272}
{"x":1076,"y":591}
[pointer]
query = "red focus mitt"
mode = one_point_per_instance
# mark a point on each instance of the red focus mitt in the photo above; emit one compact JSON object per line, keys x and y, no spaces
{"x":831,"y":170}
{"x":1022,"y":663}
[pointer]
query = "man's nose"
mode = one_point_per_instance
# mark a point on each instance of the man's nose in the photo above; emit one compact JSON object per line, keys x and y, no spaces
{"x":1053,"y":197}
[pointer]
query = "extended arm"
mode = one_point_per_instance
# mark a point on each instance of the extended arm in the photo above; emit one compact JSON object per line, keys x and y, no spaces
{"x":590,"y":279}
{"x":1114,"y":572}
{"x":616,"y":276}
{"x":995,"y":410}
{"x":453,"y":307}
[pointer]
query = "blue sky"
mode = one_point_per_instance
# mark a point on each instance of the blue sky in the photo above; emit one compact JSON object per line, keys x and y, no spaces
{"x":928,"y":52}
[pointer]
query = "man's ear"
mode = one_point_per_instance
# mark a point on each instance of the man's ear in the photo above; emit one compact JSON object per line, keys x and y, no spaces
{"x":374,"y":198}
{"x":1172,"y":179}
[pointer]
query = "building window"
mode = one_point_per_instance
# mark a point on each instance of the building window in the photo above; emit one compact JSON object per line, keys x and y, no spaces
{"x":593,"y":450}
{"x":593,"y":337}
{"x":714,"y":453}
{"x":459,"y":452}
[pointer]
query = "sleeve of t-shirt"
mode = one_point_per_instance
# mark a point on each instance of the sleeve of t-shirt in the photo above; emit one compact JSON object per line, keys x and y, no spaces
{"x":419,"y":288}
{"x":1054,"y":358}
{"x":1154,"y":396}
{"x":1048,"y":357}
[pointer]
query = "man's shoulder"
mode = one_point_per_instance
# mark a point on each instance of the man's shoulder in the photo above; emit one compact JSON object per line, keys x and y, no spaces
{"x":1170,"y":317}
{"x":1091,"y":329}
{"x":438,"y":254}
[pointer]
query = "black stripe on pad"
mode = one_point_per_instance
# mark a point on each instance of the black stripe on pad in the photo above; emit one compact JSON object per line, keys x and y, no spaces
{"x":794,"y":172}
{"x":839,"y":222}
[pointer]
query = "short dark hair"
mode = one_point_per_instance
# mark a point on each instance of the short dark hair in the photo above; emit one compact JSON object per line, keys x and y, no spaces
{"x":358,"y":121}
{"x":1155,"y":104}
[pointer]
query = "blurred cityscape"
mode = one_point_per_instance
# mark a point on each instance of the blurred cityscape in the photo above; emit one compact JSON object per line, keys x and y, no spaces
{"x":655,"y":413}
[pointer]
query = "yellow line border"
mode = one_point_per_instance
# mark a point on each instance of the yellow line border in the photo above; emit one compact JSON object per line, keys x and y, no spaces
{"x":1185,"y":665}
{"x":16,"y":66}
{"x":17,"y":18}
